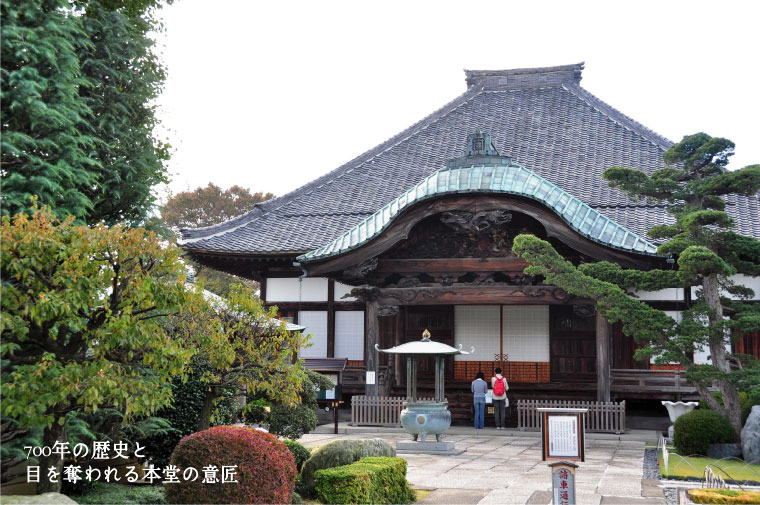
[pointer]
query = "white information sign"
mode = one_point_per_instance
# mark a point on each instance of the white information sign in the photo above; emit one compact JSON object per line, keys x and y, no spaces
{"x":370,"y":377}
{"x":563,"y":436}
{"x":330,"y":393}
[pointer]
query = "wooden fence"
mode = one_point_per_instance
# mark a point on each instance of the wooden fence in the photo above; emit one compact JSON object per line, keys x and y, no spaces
{"x":601,"y":416}
{"x":378,"y":410}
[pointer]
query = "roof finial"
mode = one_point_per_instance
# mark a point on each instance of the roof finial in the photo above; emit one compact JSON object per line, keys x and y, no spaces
{"x":479,"y":151}
{"x":426,"y":335}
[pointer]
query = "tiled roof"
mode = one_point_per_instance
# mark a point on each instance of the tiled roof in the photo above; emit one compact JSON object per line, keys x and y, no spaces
{"x":542,"y":118}
{"x":508,"y":178}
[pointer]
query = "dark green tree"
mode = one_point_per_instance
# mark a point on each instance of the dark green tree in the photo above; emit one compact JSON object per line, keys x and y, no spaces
{"x":79,"y":80}
{"x":46,"y":134}
{"x":695,"y":186}
{"x":125,"y":78}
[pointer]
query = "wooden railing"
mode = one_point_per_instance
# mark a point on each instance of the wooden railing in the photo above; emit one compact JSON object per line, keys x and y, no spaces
{"x":601,"y":416}
{"x":378,"y":410}
{"x":650,"y":381}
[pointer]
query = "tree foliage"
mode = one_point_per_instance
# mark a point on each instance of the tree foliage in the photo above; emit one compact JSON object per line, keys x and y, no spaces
{"x":79,"y":80}
{"x":695,"y":186}
{"x":243,"y":347}
{"x":83,"y":317}
{"x":45,"y":132}
{"x":97,"y":322}
{"x":205,"y":207}
{"x":210,"y":205}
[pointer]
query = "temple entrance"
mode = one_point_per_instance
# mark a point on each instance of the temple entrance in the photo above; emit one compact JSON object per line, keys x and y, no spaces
{"x":572,"y":337}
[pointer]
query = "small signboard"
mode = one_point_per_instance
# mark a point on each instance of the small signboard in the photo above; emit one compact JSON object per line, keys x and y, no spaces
{"x":563,"y":434}
{"x":370,"y":377}
{"x":563,"y":482}
{"x":329,"y":394}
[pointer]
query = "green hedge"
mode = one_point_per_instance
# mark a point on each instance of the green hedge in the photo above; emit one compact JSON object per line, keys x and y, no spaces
{"x":339,"y":453}
{"x":369,"y":480}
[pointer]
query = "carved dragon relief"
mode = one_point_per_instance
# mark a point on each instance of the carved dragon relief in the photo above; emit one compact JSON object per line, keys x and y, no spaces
{"x":477,"y":222}
{"x":461,"y":234}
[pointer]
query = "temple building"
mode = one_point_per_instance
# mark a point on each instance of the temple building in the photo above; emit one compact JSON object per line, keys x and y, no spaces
{"x":417,"y":233}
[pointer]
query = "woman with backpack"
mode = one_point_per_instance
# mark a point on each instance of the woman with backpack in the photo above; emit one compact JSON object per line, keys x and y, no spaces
{"x":500,"y":387}
{"x":479,"y":388}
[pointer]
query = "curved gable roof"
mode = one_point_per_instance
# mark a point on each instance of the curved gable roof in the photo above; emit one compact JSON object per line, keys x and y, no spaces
{"x":511,"y":179}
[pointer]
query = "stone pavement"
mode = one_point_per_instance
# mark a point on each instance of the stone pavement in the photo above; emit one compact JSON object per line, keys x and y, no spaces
{"x":505,"y":468}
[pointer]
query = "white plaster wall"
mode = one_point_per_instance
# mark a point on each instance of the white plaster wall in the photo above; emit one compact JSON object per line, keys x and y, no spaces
{"x":741,"y":279}
{"x":311,"y":289}
{"x":316,"y":325}
{"x":668,"y":294}
{"x":342,"y":290}
{"x":349,"y":334}
{"x":477,"y":326}
{"x":526,"y":332}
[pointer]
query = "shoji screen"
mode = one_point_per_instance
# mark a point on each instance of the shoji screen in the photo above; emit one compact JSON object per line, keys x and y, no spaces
{"x":349,"y":334}
{"x":316,"y":325}
{"x":526,"y":332}
{"x":477,"y":326}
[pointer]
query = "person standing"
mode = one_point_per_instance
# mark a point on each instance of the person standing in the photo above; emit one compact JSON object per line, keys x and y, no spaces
{"x":479,"y":388}
{"x":500,"y":387}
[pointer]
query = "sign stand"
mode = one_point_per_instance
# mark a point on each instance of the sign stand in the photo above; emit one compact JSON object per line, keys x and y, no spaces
{"x":563,"y":434}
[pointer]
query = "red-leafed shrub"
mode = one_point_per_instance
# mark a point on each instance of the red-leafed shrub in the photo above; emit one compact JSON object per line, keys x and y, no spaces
{"x":266,"y":471}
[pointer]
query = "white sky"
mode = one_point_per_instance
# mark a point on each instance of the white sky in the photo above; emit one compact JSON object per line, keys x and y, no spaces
{"x":272,"y":94}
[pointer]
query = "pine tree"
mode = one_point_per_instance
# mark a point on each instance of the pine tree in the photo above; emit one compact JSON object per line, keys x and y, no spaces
{"x":695,"y":186}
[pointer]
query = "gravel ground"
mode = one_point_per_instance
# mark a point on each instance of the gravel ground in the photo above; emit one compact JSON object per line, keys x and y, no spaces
{"x":652,"y":471}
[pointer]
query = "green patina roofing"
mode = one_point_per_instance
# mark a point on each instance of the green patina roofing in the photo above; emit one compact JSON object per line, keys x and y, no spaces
{"x":508,"y":178}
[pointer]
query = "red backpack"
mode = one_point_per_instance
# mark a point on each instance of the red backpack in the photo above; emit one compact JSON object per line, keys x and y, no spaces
{"x":499,"y":386}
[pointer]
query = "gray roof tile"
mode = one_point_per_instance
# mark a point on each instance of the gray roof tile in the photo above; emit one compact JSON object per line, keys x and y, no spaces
{"x":540,"y":117}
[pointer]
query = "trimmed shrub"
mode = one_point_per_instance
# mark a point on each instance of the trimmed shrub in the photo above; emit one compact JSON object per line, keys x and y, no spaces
{"x":723,"y":496}
{"x":340,"y":453}
{"x":695,"y":431}
{"x":370,"y":480}
{"x":300,"y":453}
{"x":266,"y":470}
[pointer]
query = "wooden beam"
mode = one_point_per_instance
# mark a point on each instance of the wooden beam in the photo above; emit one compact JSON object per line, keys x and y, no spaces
{"x":513,"y":264}
{"x":474,"y":295}
{"x":602,"y":359}
{"x":372,"y":337}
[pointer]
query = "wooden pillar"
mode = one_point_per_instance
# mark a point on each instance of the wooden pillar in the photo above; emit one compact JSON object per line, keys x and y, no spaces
{"x":602,"y":359}
{"x":370,"y":353}
{"x":330,"y":318}
{"x":397,"y":357}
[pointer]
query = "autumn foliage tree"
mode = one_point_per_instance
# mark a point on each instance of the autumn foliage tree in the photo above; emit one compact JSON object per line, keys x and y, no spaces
{"x":97,"y":317}
{"x":695,"y":187}
{"x":243,"y":347}
{"x":205,"y":207}
{"x":83,"y":316}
